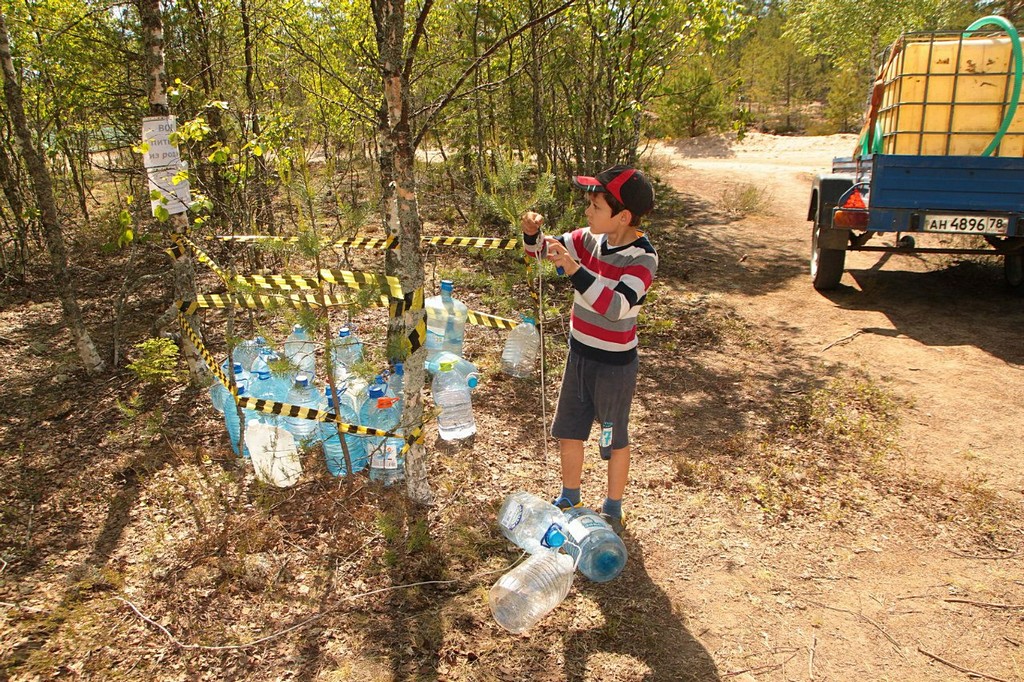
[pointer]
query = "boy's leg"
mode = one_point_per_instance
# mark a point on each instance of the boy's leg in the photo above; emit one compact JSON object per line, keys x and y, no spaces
{"x":618,"y":472}
{"x":571,"y":452}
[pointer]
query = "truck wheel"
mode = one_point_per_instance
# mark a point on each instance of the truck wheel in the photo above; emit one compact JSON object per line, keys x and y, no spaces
{"x":826,"y":264}
{"x":1013,"y":270}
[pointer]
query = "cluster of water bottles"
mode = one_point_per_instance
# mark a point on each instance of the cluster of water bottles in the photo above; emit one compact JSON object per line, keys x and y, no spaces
{"x":259,"y":372}
{"x":559,"y":542}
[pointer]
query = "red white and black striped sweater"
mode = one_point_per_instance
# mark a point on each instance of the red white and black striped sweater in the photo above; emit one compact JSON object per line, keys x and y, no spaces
{"x":610,"y":288}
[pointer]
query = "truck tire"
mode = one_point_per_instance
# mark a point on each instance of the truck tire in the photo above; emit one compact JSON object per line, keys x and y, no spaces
{"x":1013,"y":270}
{"x":826,"y":264}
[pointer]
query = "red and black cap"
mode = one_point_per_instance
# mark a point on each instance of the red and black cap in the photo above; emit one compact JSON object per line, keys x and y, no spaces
{"x":627,"y":184}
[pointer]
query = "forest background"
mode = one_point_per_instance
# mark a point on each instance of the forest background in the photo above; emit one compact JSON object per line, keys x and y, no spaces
{"x":325,"y":121}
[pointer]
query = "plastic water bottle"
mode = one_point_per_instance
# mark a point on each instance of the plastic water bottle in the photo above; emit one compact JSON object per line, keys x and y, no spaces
{"x":380,"y":411}
{"x":301,"y":351}
{"x":446,"y":321}
{"x":519,"y":357}
{"x":463,"y":366}
{"x":219,"y":395}
{"x":531,"y":590}
{"x":451,"y":394}
{"x":334,"y":454}
{"x":274,"y":457}
{"x":531,"y":523}
{"x":396,"y":382}
{"x":232,"y":423}
{"x":598,"y":551}
{"x":248,"y":350}
{"x":304,"y":394}
{"x":346,"y":349}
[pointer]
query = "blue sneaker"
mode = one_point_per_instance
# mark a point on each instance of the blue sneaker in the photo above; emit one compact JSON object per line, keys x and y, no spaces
{"x":563,"y":503}
{"x":618,"y":523}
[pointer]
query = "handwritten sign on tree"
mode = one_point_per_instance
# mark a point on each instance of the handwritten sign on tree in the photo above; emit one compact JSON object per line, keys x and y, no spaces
{"x":168,"y":186}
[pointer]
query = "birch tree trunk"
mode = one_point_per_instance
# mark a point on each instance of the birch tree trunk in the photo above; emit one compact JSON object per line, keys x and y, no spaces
{"x":183,"y":269}
{"x":42,"y":186}
{"x":397,"y":158}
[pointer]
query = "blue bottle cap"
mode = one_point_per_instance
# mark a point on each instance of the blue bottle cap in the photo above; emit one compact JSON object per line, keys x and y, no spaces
{"x":343,"y":332}
{"x":302,"y":380}
{"x":399,"y":369}
{"x":554,"y":537}
{"x":447,"y":285}
{"x":472,"y":380}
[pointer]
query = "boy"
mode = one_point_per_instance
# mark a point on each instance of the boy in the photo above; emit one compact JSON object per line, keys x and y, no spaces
{"x":611,"y":265}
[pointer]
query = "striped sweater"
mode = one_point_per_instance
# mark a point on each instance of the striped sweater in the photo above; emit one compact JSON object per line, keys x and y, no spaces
{"x":609,"y":289}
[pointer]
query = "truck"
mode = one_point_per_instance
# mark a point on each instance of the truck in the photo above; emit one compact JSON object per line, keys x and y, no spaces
{"x":941,"y":153}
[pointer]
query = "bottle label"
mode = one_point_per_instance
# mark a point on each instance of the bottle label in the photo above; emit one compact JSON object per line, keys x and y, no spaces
{"x":390,"y":456}
{"x":606,"y":435}
{"x":582,"y":526}
{"x":512,"y":516}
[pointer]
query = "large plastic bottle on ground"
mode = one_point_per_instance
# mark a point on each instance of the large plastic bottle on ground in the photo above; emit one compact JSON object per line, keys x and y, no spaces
{"x":446,"y":321}
{"x":274,"y":457}
{"x":304,"y":394}
{"x":519,"y":357}
{"x":451,"y":395}
{"x":248,"y":350}
{"x":598,"y":551}
{"x":527,"y":593}
{"x":300,"y":350}
{"x":334,"y":455}
{"x":380,"y":411}
{"x":531,"y":523}
{"x":346,"y":349}
{"x":232,"y":423}
{"x":463,"y":366}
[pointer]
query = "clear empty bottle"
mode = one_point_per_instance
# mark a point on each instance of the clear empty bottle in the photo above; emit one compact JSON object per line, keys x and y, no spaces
{"x":334,"y":454}
{"x":463,"y":366}
{"x":452,"y":396}
{"x":446,"y":321}
{"x":232,"y":423}
{"x":519,"y":357}
{"x":383,"y":412}
{"x":531,"y":523}
{"x":274,"y":457}
{"x":531,"y":590}
{"x":346,"y":349}
{"x":304,"y":394}
{"x":300,"y":350}
{"x":396,"y":381}
{"x":598,"y":551}
{"x":248,"y":350}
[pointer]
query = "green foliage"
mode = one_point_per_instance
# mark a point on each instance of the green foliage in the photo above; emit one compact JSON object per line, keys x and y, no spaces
{"x":505,"y":194}
{"x":695,"y":101}
{"x":157,"y":362}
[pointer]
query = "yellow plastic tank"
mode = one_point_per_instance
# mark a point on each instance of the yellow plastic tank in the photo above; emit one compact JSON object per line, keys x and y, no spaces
{"x":944,"y":94}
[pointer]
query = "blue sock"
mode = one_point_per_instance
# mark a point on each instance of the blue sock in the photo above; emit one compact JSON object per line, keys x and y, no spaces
{"x":571,"y":494}
{"x":612,"y":508}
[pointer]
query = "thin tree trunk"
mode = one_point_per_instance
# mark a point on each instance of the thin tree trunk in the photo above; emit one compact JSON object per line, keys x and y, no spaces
{"x":183,"y":269}
{"x":42,"y":186}
{"x":389,"y":16}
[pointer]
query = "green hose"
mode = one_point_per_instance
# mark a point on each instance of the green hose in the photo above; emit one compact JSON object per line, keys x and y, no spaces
{"x":1017,"y":67}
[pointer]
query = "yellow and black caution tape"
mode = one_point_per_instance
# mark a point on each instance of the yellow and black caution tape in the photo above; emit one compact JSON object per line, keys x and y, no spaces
{"x":385,"y":243}
{"x":202,"y":257}
{"x":239,"y":300}
{"x":493,"y":321}
{"x":253,"y":238}
{"x":473,"y":242}
{"x":358,"y":280}
{"x":285,"y":282}
{"x":176,"y":251}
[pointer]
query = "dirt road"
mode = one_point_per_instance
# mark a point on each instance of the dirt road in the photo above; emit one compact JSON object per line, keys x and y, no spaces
{"x":945,"y":336}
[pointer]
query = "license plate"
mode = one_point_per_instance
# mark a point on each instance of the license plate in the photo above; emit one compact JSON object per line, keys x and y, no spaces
{"x":965,"y":224}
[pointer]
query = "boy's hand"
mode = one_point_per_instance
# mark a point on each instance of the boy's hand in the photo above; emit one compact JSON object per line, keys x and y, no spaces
{"x":559,"y":255}
{"x":531,"y":222}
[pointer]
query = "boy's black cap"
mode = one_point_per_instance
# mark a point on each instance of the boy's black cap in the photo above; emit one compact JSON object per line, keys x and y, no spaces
{"x":625,"y":183}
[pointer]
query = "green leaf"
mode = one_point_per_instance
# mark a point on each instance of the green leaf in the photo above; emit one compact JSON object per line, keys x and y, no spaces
{"x":161,"y":213}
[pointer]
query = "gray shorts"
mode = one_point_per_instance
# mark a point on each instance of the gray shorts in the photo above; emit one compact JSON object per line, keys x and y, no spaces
{"x":595,"y":391}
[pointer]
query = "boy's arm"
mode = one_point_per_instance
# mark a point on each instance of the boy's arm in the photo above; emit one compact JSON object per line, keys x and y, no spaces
{"x":617,"y":292}
{"x":534,"y":241}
